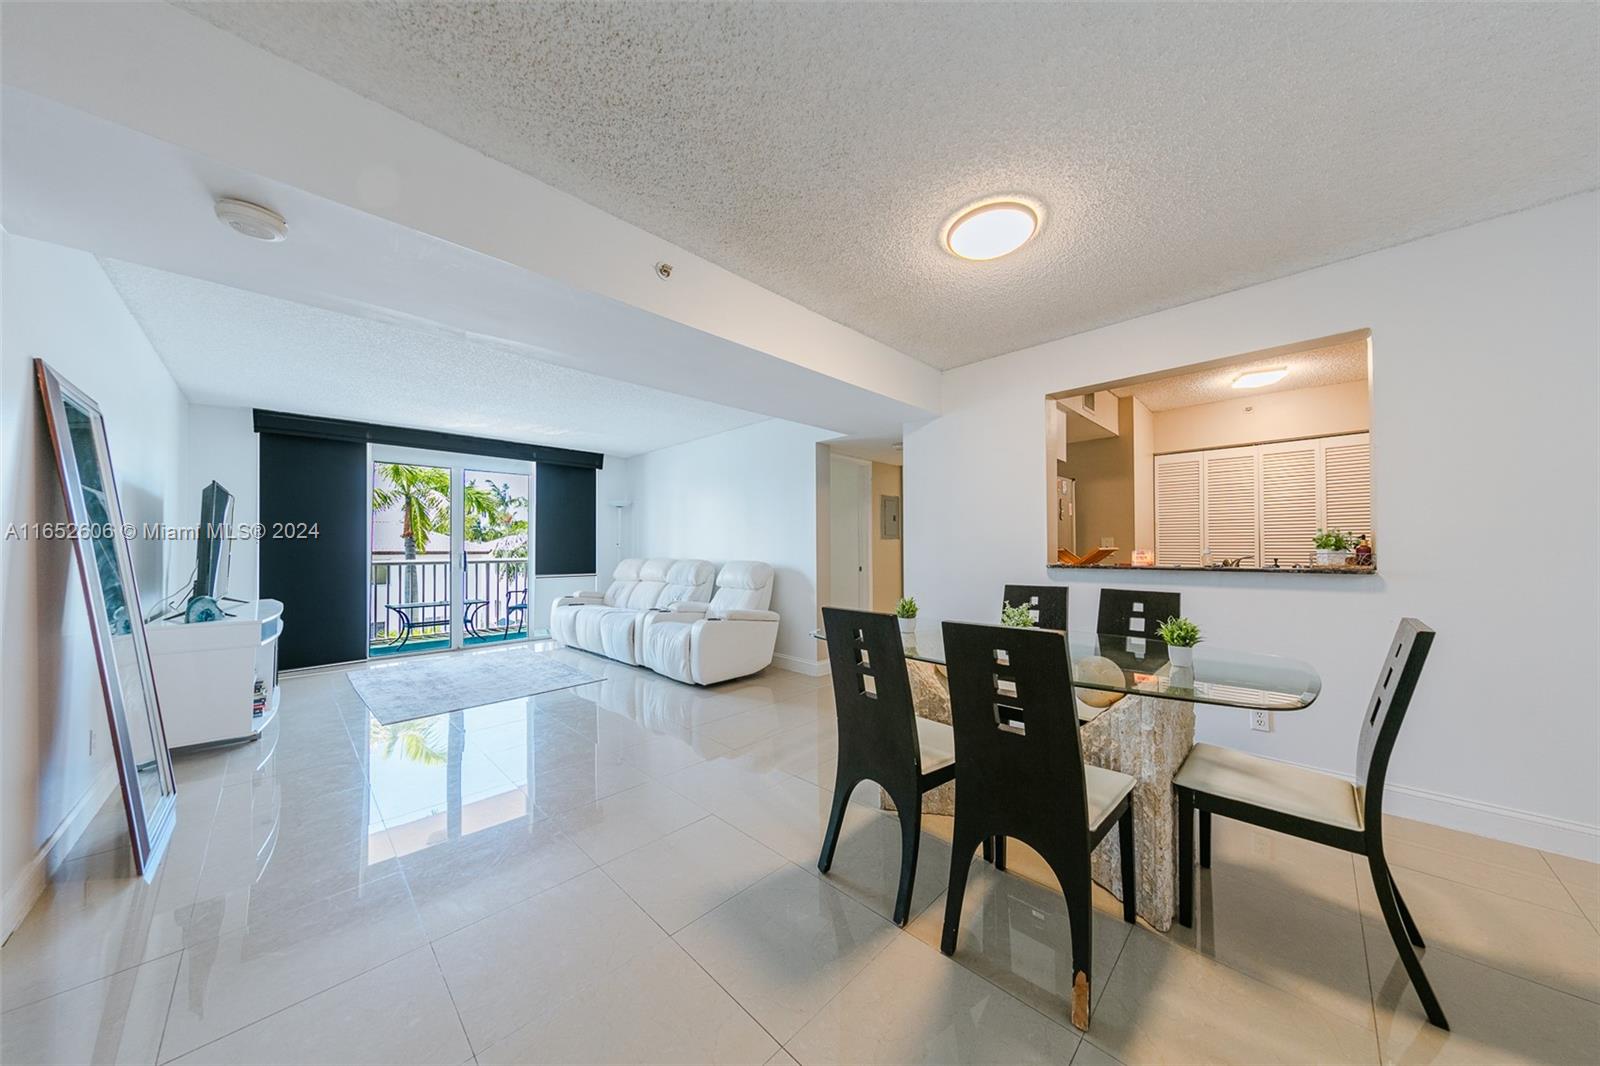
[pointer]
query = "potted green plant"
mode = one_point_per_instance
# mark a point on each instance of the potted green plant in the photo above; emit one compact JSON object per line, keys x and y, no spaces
{"x":1333,"y":547}
{"x":906,"y":612}
{"x":1180,"y":636}
{"x":1019,"y":616}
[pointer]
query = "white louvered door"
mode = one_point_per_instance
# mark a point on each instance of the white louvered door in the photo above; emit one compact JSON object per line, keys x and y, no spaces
{"x":1178,"y":509}
{"x":1347,"y":482}
{"x":1231,"y":500}
{"x":1290,"y":508}
{"x":1263,"y":501}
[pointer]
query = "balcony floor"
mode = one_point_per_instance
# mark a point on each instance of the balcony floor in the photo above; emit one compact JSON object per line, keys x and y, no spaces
{"x":381,"y":650}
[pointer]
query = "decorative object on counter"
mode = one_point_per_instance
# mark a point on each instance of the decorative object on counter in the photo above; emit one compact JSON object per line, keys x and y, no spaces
{"x":1143,"y":557}
{"x":1363,"y":555}
{"x":1333,"y":547}
{"x":1180,"y":635}
{"x":906,"y":612}
{"x":1088,"y":559}
{"x":1018,"y":617}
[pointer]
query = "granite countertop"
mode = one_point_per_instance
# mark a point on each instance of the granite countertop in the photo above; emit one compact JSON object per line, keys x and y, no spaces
{"x":1336,"y":570}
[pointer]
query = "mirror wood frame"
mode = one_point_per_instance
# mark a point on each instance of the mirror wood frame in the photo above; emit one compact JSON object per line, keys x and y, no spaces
{"x":149,"y":826}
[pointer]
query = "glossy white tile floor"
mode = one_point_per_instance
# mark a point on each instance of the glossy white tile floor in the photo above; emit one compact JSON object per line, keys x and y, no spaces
{"x":626,"y":873}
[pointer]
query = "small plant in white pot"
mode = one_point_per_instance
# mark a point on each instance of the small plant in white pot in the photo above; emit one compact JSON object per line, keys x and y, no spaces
{"x":906,"y":612}
{"x":1019,"y":617}
{"x":1333,"y":547}
{"x":1180,"y":636}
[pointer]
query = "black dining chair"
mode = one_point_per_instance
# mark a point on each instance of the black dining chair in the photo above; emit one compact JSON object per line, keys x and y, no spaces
{"x":1023,"y":775}
{"x":1312,"y":805}
{"x":1133,"y":613}
{"x":1047,"y":603}
{"x":881,"y":739}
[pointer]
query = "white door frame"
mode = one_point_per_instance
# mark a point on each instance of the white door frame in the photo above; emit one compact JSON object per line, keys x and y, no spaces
{"x":458,"y":463}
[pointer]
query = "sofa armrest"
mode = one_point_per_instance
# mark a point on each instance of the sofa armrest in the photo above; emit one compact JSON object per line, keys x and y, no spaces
{"x":686,"y":611}
{"x":580,"y":598}
{"x":742,"y":615}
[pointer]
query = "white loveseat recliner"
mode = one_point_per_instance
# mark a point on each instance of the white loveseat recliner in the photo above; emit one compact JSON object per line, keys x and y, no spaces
{"x":683,"y":618}
{"x":731,"y":636}
{"x":609,"y":623}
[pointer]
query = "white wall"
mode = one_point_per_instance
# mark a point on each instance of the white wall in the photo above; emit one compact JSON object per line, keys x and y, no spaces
{"x":223,"y":447}
{"x":1322,"y":411}
{"x":1462,"y":323}
{"x":749,"y":493}
{"x":59,"y":306}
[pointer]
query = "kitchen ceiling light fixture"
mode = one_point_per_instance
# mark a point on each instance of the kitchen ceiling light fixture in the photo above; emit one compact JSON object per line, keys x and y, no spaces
{"x":991,"y":229}
{"x":1255,"y":379}
{"x":252,"y":220}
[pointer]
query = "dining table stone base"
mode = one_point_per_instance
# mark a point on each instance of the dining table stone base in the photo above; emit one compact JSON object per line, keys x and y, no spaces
{"x":1147,"y":739}
{"x":1144,"y":737}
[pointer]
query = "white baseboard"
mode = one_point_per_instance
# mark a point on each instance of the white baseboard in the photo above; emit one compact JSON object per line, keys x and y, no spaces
{"x":1491,"y":820}
{"x":29,"y":885}
{"x":811,"y":668}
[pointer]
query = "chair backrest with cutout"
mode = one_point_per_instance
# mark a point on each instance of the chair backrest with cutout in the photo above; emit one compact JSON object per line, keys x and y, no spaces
{"x":1016,"y":734}
{"x":1386,"y":711}
{"x":1134,"y":613}
{"x":871,"y":692}
{"x":1047,"y":603}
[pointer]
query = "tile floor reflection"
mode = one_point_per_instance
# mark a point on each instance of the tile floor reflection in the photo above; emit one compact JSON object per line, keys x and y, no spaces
{"x":626,"y":872}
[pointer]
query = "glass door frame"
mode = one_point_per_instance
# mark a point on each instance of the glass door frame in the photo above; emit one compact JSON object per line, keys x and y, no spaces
{"x":458,"y":464}
{"x":489,"y":464}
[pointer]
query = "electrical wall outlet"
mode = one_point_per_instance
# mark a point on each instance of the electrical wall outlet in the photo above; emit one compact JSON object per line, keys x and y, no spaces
{"x":1261,"y":721}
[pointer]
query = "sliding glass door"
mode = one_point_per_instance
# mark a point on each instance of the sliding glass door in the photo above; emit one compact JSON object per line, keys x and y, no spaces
{"x":450,"y":555}
{"x":495,"y":576}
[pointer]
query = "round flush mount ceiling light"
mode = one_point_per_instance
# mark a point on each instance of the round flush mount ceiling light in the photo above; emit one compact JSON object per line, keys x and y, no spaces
{"x":1255,"y":379}
{"x":251,"y":220}
{"x":991,"y":229}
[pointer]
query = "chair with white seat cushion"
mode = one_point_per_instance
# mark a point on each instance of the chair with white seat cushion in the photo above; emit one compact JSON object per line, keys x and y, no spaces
{"x":1023,"y":776}
{"x":1316,"y":806}
{"x":881,"y":739}
{"x":702,"y":641}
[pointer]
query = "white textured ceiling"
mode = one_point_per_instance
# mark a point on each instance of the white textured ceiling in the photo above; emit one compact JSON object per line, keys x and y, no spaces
{"x":228,"y":346}
{"x":816,"y":148}
{"x":1332,"y":365}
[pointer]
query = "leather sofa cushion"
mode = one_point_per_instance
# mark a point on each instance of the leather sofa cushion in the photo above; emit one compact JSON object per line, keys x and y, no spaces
{"x":688,"y":579}
{"x":744,"y":586}
{"x":623,"y":581}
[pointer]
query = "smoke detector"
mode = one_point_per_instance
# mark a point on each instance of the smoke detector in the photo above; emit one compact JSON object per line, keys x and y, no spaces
{"x":252,"y":220}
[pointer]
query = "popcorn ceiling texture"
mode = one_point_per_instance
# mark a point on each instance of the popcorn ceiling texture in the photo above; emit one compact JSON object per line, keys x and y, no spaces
{"x":237,"y":348}
{"x":817,"y":149}
{"x":1318,"y":366}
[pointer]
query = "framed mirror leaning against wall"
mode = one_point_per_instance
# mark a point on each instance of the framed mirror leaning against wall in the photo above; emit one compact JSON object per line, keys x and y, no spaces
{"x":111,"y":594}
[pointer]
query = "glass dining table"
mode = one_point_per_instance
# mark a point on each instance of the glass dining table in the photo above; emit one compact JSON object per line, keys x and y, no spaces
{"x":1221,"y":677}
{"x":1136,"y":714}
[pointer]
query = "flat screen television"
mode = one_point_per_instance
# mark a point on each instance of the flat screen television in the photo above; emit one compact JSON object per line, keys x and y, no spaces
{"x":213,"y":542}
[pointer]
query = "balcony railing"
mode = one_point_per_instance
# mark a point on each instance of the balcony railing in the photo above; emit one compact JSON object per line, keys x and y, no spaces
{"x":490,"y":606}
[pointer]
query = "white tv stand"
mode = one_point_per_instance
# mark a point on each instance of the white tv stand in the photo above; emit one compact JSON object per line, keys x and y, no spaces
{"x":206,"y":671}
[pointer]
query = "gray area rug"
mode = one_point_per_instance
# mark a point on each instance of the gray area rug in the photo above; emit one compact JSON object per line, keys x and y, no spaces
{"x":434,"y":684}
